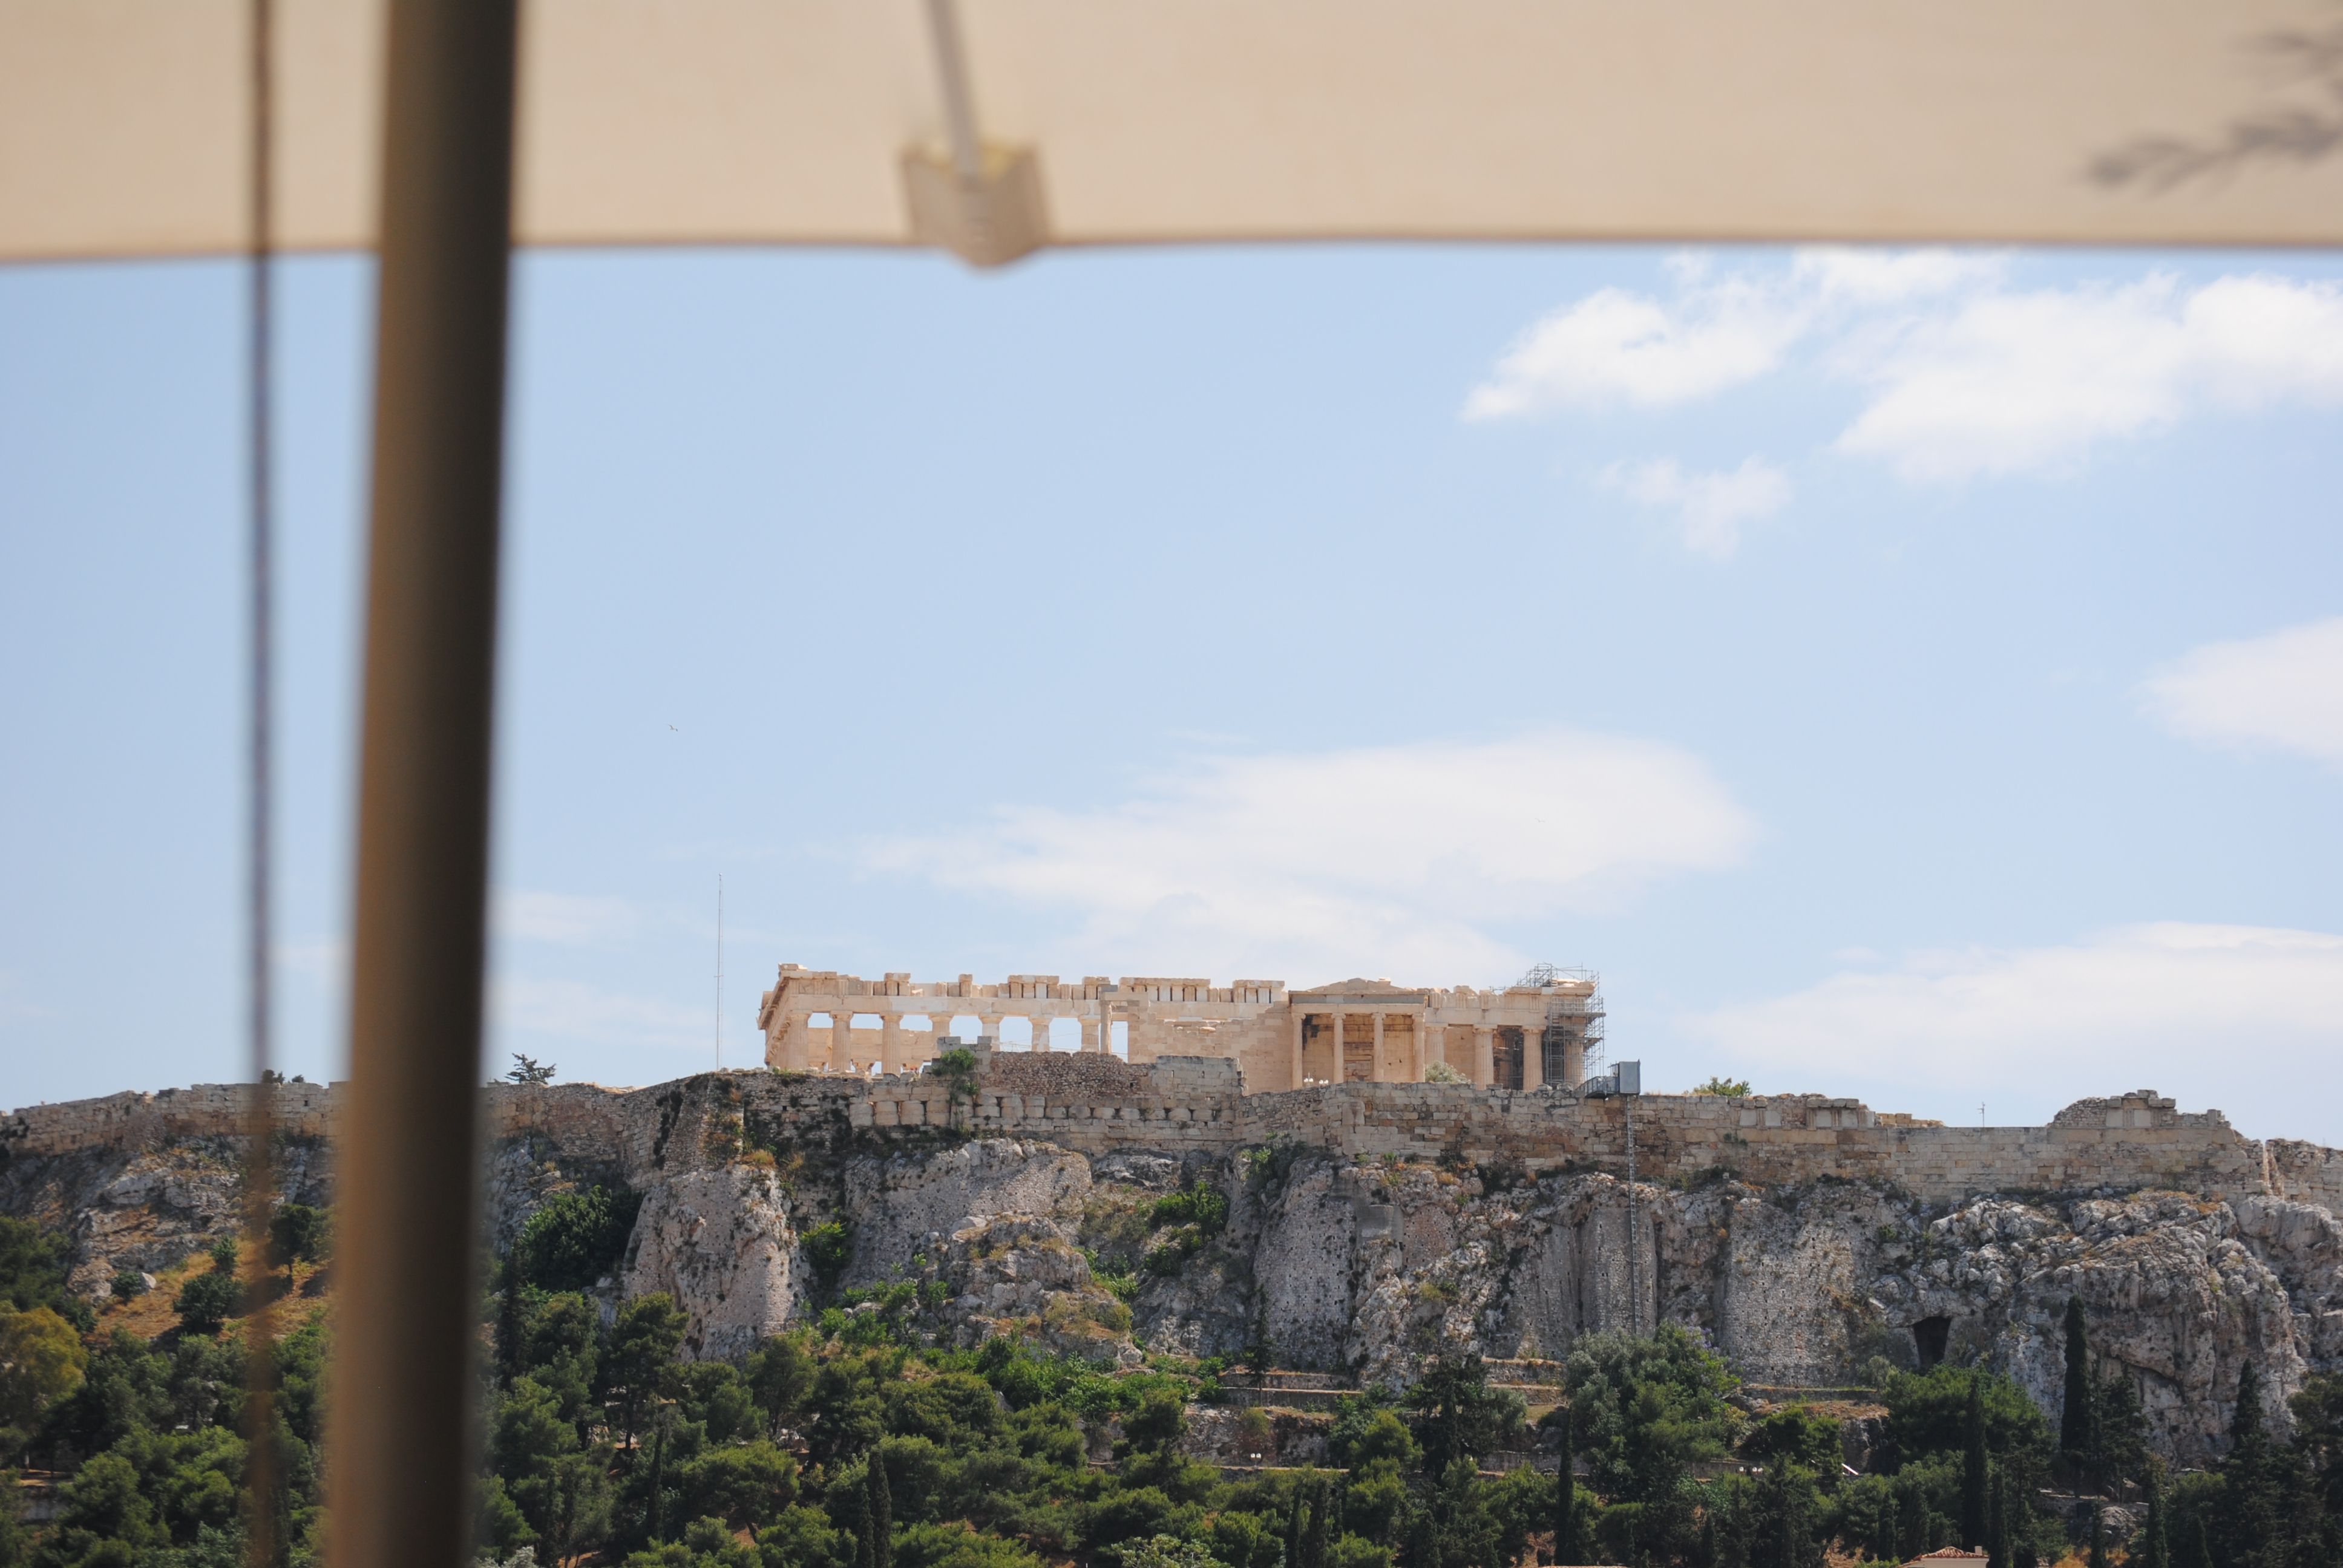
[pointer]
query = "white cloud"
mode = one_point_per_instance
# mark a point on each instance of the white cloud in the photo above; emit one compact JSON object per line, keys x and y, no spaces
{"x":570,"y":920}
{"x":2282,"y":692}
{"x":2013,"y":383}
{"x":2239,"y":1018}
{"x":1389,"y":860}
{"x":1614,"y":346}
{"x":1709,"y":508}
{"x":1964,"y":376}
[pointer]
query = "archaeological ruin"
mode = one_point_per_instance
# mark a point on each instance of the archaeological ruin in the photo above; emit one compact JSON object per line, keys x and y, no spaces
{"x":1523,"y":1036}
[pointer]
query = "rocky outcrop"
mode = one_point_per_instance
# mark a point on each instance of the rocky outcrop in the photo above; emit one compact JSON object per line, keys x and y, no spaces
{"x":143,"y":1206}
{"x":722,"y":1244}
{"x":1351,"y":1262}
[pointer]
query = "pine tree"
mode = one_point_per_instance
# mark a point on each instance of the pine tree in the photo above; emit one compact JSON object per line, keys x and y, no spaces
{"x":2074,"y":1417}
{"x":882,"y":1508}
{"x":1974,"y":1470}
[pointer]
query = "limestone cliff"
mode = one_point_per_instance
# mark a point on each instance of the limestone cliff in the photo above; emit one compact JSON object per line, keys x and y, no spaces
{"x":1341,"y":1259}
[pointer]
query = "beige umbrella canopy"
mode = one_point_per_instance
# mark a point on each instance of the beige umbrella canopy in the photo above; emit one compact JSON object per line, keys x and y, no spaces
{"x":438,"y":132}
{"x":786,"y":122}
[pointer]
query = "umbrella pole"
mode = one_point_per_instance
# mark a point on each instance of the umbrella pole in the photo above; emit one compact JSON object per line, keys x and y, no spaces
{"x":401,"y":1446}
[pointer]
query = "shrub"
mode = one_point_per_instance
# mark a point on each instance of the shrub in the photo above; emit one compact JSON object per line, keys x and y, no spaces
{"x":828,"y":1248}
{"x":1199,"y":1204}
{"x":1441,"y":1072}
{"x":129,"y":1284}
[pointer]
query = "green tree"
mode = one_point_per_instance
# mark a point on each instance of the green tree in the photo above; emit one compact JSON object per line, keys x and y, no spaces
{"x":1461,"y":1416}
{"x":643,"y":1344}
{"x":33,"y":1264}
{"x":1975,"y":1465}
{"x":1646,"y":1409}
{"x":1730,"y":1088}
{"x":298,"y":1234}
{"x":40,"y":1362}
{"x":2118,"y":1430}
{"x":1156,"y":1426}
{"x":2074,"y":1437}
{"x":2155,"y":1551}
{"x":206,"y":1301}
{"x":576,"y":1237}
{"x":881,"y":1525}
{"x":780,"y":1373}
{"x":529,"y":1070}
{"x":1568,"y":1543}
{"x":2246,"y":1424}
{"x":577,"y":1505}
{"x":2319,"y":1432}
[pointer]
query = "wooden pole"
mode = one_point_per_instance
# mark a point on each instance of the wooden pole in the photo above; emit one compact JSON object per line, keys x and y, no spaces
{"x":401,"y":1449}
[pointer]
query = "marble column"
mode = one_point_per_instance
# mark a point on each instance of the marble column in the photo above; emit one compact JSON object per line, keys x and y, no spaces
{"x":1297,"y":1049}
{"x":989,"y":1026}
{"x":841,"y":1041}
{"x":1533,"y":1057}
{"x":891,"y":1042}
{"x":1382,"y":1068}
{"x":1436,"y":1040}
{"x":1484,"y":1055}
{"x":1341,"y":1072}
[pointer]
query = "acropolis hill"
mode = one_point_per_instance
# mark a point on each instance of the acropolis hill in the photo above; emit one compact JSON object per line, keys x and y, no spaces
{"x":1372,"y":1218}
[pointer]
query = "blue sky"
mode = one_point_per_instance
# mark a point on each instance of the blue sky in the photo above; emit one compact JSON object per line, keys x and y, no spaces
{"x":1908,"y":675}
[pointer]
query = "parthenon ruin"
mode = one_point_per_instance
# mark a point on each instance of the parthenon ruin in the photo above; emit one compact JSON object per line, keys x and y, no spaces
{"x":1522,"y":1036}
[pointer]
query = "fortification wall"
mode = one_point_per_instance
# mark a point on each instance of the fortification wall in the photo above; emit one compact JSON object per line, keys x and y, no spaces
{"x":203,"y":1110}
{"x":1098,"y":1104}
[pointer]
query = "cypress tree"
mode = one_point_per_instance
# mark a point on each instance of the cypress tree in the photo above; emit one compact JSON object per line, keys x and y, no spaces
{"x":2074,"y":1417}
{"x":2245,"y":1420}
{"x":1996,"y":1521}
{"x":2098,"y":1536}
{"x":2153,"y":1550}
{"x":1293,"y":1525}
{"x":882,"y":1509}
{"x":1322,"y":1519}
{"x":1566,"y":1499}
{"x":1974,"y":1470}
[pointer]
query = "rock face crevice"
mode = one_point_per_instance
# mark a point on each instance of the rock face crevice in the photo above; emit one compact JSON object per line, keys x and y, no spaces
{"x":1338,"y":1255}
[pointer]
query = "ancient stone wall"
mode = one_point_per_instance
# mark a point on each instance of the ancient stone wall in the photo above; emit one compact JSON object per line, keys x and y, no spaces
{"x":1097,"y":1104}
